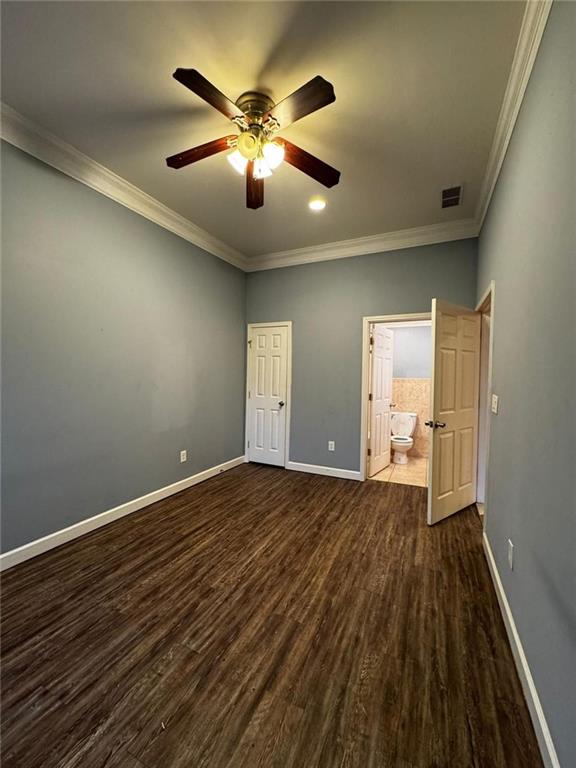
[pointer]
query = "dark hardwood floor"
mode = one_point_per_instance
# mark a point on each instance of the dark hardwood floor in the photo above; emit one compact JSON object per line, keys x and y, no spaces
{"x":263,"y":618}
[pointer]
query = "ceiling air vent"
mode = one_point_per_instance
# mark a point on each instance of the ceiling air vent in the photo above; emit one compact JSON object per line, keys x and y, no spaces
{"x":451,"y":196}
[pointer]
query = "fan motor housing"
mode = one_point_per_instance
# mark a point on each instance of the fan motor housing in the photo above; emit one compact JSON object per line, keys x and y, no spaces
{"x":254,"y":104}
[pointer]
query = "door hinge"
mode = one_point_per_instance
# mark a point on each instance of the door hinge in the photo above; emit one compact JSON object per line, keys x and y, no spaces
{"x":371,"y":341}
{"x":249,"y":342}
{"x":248,"y":443}
{"x":249,"y":394}
{"x":369,"y":452}
{"x":370,"y":397}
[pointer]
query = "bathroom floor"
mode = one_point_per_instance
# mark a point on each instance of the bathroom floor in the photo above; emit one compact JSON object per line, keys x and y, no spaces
{"x":413,"y":473}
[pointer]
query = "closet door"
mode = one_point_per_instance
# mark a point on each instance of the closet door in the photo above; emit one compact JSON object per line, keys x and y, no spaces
{"x":267,"y":394}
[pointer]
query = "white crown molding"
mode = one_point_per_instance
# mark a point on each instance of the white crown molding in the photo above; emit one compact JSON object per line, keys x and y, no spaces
{"x":31,"y":138}
{"x":531,"y":31}
{"x":388,"y":241}
{"x":35,"y":140}
{"x":25,"y":135}
{"x":529,"y":39}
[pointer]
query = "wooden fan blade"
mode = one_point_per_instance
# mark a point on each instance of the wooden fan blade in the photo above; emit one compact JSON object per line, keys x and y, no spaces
{"x":254,"y":188}
{"x":315,"y":94}
{"x":310,"y":165}
{"x":198,"y":84}
{"x":199,"y":153}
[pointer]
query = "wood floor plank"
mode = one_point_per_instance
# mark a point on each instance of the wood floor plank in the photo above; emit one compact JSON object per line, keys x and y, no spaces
{"x":263,"y":618}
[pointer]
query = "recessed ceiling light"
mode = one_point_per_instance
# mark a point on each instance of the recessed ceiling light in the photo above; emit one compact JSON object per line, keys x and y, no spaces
{"x":317,"y":203}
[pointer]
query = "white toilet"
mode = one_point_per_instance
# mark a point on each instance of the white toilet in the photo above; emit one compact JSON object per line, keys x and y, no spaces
{"x":402,"y":426}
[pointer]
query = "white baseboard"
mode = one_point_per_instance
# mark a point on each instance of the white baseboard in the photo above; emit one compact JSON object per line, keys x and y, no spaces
{"x":52,"y":540}
{"x":315,"y":469}
{"x":543,"y":735}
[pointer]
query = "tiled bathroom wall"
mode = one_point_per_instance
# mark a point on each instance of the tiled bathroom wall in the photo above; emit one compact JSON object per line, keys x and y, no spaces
{"x":413,"y":395}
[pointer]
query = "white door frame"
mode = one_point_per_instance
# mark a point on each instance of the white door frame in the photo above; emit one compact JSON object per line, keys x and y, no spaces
{"x":487,"y":299}
{"x":288,"y":325}
{"x":366,"y":323}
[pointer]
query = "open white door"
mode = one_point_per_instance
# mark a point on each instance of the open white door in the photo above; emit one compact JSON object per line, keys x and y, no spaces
{"x":382,"y":345}
{"x":454,"y":424}
{"x":267,"y":394}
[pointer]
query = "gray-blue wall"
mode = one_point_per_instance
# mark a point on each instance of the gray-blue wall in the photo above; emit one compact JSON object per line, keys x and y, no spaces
{"x":528,"y":246}
{"x":122,"y":345}
{"x":326,"y":303}
{"x":412,"y":352}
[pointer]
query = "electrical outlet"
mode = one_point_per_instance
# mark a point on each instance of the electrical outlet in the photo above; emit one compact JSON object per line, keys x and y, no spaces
{"x":494,"y":403}
{"x":511,"y":554}
{"x":183,"y":456}
{"x":331,"y":445}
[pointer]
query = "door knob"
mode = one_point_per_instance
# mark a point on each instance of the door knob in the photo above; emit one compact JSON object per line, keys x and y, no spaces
{"x":429,"y":423}
{"x":281,"y":404}
{"x":435,"y":424}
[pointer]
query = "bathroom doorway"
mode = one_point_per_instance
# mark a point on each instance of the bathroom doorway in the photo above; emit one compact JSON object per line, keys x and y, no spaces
{"x":398,"y":402}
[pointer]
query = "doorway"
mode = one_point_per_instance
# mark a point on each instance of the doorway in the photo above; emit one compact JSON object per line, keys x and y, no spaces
{"x":268,"y":392}
{"x":485,"y":307}
{"x":454,"y":405}
{"x":396,"y":398}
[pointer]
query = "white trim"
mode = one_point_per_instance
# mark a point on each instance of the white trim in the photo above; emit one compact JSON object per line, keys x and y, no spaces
{"x":286,"y":324}
{"x":316,"y":469}
{"x":268,"y":325}
{"x":52,"y":540}
{"x":487,"y":296}
{"x":409,"y":323}
{"x":529,"y":39}
{"x":37,"y":141}
{"x":31,"y":138}
{"x":402,"y":320}
{"x":417,"y":318}
{"x":387,"y":241}
{"x":40,"y":143}
{"x":543,"y":735}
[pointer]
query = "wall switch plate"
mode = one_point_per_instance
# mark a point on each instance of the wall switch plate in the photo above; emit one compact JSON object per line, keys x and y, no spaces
{"x":494,"y":403}
{"x":511,"y":554}
{"x":331,"y":445}
{"x":183,"y":456}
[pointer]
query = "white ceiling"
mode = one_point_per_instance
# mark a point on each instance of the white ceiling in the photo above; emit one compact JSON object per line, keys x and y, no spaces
{"x":418,"y":91}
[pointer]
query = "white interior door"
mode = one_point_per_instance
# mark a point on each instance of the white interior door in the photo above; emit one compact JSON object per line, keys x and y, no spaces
{"x":382,"y":342}
{"x":267,"y":394}
{"x":454,"y":424}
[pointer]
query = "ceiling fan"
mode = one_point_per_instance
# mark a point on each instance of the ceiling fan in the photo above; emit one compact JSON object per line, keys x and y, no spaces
{"x":256,"y":151}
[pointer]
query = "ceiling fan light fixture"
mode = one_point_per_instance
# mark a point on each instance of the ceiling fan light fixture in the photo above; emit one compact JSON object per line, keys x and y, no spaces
{"x":261,"y":168}
{"x":273,"y":153}
{"x":256,"y":151}
{"x":237,"y":162}
{"x":248,"y":145}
